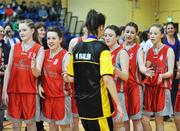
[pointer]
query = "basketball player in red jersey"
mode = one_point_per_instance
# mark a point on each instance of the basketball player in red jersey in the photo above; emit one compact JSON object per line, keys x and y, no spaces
{"x":157,"y":97}
{"x":134,"y":84}
{"x":120,"y":60}
{"x":56,"y":107}
{"x":20,"y":89}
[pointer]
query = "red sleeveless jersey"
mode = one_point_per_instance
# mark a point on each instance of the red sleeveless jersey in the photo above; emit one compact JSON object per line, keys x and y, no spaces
{"x":120,"y":84}
{"x":53,"y":83}
{"x":21,"y":77}
{"x":134,"y":74}
{"x":159,"y":63}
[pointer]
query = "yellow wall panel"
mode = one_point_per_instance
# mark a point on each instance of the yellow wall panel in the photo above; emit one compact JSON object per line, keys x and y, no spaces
{"x":176,"y":16}
{"x":163,"y":16}
{"x":173,"y":9}
{"x":143,"y":13}
{"x":116,"y":11}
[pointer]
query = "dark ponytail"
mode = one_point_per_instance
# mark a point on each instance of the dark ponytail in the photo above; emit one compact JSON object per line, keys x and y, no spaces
{"x":93,"y":21}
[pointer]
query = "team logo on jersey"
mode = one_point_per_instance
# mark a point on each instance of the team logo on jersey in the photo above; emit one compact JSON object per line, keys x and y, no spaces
{"x":22,"y":62}
{"x":83,"y":56}
{"x":161,"y":57}
{"x":55,"y":62}
{"x":49,"y":72}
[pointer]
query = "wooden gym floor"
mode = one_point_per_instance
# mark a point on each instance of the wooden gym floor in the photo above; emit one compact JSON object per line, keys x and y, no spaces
{"x":169,"y":126}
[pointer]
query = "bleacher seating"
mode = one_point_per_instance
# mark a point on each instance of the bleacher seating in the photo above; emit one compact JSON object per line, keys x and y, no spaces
{"x":68,"y":23}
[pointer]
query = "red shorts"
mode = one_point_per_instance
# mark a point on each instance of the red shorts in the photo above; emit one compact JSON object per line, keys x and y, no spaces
{"x":132,"y":97}
{"x":154,"y":98}
{"x":177,"y":104}
{"x":53,"y":108}
{"x":22,"y":106}
{"x":73,"y":105}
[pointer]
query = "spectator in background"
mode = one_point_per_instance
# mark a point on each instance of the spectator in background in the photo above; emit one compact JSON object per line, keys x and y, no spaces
{"x":121,"y":37}
{"x":24,"y":6}
{"x":14,"y":5}
{"x":37,"y":6}
{"x":171,"y":40}
{"x":19,"y":13}
{"x":9,"y":38}
{"x":57,"y":5}
{"x":52,"y":14}
{"x":8,"y":11}
{"x":43,"y":14}
{"x":4,"y":54}
{"x":2,"y":12}
{"x":40,"y":37}
{"x":143,"y":36}
{"x":164,"y":27}
{"x":15,"y":28}
{"x":40,"y":34}
{"x":48,"y":6}
{"x":31,"y":7}
{"x":145,"y":41}
{"x":31,"y":10}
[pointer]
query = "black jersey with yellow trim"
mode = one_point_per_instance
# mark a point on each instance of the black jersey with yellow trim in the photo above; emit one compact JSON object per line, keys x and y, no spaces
{"x":92,"y":96}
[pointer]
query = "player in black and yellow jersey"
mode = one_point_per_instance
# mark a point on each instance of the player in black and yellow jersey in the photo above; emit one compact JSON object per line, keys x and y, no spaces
{"x":92,"y":69}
